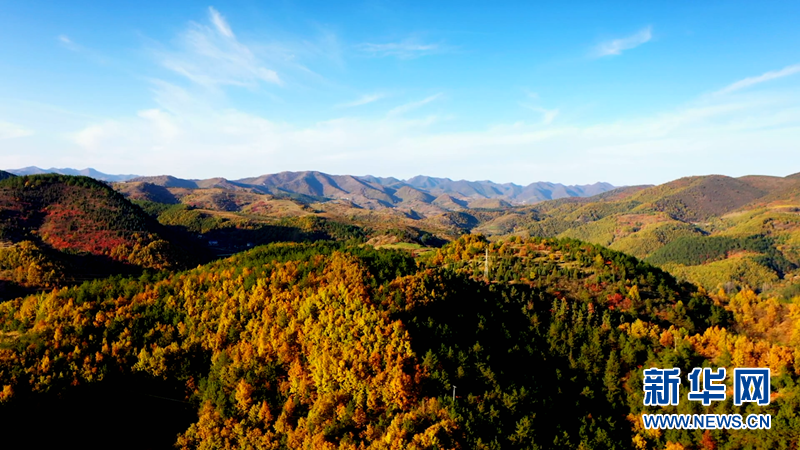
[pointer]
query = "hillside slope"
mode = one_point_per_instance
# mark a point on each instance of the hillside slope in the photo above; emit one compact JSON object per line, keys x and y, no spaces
{"x":57,"y":228}
{"x":643,"y":221}
{"x":334,"y":347}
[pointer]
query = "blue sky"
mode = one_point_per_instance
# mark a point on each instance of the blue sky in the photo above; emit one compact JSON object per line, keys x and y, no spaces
{"x":570,"y":92}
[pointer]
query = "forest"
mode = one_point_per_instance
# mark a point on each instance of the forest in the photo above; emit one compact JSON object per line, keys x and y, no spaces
{"x":314,"y":338}
{"x":342,"y":346}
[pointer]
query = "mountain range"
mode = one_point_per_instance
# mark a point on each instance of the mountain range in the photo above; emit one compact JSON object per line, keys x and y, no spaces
{"x":365,"y":191}
{"x":376,"y":192}
{"x":88,"y":172}
{"x":711,"y":230}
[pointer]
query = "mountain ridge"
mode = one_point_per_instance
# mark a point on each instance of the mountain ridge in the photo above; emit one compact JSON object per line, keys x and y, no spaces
{"x":88,"y":172}
{"x":374,"y":192}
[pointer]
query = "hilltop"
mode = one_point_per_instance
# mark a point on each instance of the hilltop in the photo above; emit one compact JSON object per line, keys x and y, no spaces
{"x":57,"y":229}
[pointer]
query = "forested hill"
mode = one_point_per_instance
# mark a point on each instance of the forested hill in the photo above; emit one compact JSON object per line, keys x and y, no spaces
{"x":715,"y":231}
{"x":329,"y":346}
{"x":56,"y":228}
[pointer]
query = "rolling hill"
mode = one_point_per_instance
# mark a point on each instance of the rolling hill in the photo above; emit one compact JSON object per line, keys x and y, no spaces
{"x":388,"y":210}
{"x":674,"y":223}
{"x":57,"y":229}
{"x":638,"y":220}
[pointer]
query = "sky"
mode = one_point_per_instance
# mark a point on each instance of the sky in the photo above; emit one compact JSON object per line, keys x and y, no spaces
{"x":570,"y":92}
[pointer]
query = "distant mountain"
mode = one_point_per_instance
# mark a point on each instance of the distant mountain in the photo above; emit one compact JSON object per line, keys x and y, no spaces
{"x":365,"y":191}
{"x":167,"y":181}
{"x":89,"y":172}
{"x":377,"y":192}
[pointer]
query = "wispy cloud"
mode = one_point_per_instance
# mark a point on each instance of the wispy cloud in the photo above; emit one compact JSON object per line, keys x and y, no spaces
{"x":163,"y":121}
{"x":617,"y":46}
{"x":10,"y":131}
{"x":363,"y":100}
{"x":185,"y":130}
{"x":407,"y":49}
{"x":93,"y":136}
{"x":212,"y":56}
{"x":184,"y":135}
{"x":716,"y":134}
{"x":220,"y":23}
{"x":67,"y":43}
{"x":768,"y":76}
{"x":87,"y":52}
{"x":402,"y":109}
{"x":548,"y":115}
{"x":530,"y":94}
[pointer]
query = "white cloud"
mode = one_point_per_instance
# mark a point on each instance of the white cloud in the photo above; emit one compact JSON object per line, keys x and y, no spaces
{"x":530,"y":94}
{"x":768,"y":76}
{"x":10,"y":131}
{"x":402,"y":109}
{"x":363,"y":100}
{"x":548,"y":115}
{"x":407,"y":49}
{"x":192,"y":139}
{"x":220,"y":23}
{"x":164,"y":122}
{"x":617,"y":46}
{"x":92,"y":136}
{"x":211,"y":56}
{"x":67,"y":43}
{"x":186,"y":133}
